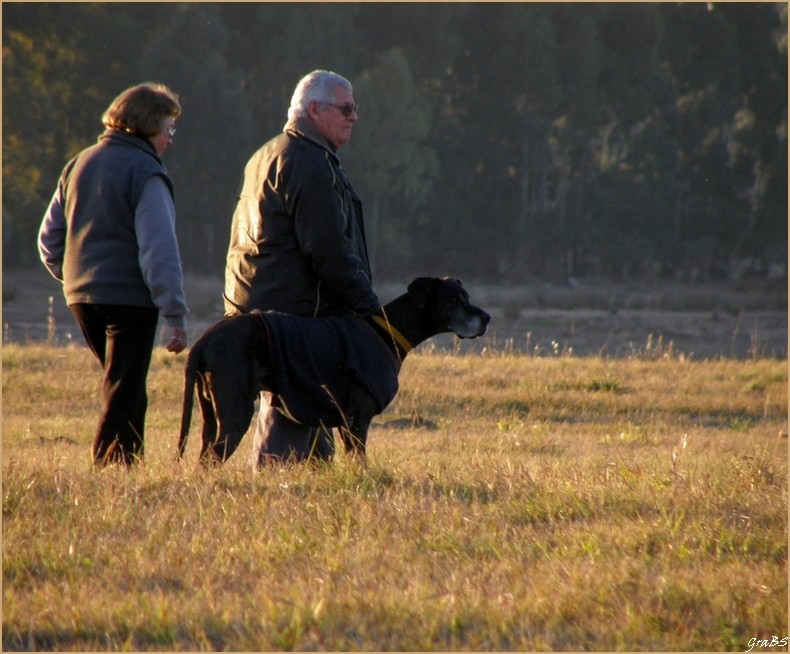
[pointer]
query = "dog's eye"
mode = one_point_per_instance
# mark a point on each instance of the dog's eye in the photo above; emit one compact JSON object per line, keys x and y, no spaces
{"x":457,"y":301}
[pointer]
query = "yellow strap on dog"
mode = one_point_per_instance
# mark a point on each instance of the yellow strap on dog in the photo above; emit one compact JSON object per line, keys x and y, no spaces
{"x":399,"y":338}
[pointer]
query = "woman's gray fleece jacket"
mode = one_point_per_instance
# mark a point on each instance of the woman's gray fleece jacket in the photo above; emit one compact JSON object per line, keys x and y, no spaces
{"x":109,"y":232}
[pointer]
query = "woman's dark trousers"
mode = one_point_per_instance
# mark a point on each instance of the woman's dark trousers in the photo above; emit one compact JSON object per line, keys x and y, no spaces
{"x":122,"y":338}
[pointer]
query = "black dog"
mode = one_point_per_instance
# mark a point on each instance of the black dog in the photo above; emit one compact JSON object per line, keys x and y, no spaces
{"x":242,"y":355}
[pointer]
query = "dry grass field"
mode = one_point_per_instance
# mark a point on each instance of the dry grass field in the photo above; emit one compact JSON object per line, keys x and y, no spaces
{"x":510,"y":502}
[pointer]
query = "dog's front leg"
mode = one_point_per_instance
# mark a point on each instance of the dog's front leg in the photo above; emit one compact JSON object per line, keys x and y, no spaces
{"x":361,"y":409}
{"x":355,"y":437}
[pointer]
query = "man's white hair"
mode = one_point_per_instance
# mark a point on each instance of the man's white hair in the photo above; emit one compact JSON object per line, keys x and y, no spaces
{"x":318,"y":86}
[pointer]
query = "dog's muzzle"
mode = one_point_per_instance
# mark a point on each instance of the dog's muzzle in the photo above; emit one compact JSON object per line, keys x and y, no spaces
{"x":473,"y":325}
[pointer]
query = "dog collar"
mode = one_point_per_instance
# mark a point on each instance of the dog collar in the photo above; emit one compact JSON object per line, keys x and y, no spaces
{"x":400,"y":339}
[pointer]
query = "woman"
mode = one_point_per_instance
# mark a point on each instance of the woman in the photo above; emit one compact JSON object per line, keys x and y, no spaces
{"x":109,"y":237}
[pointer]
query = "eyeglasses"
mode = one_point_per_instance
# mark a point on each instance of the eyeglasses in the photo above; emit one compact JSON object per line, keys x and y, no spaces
{"x":347,"y":109}
{"x":171,"y":130}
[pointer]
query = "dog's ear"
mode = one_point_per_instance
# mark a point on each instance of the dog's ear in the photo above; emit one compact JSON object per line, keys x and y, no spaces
{"x":419,"y":289}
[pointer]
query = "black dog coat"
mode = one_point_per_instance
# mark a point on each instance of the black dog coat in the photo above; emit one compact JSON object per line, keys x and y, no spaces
{"x":315,"y":360}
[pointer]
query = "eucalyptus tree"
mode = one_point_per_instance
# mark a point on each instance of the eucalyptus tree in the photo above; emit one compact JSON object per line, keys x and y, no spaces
{"x":533,"y":138}
{"x":186,"y":50}
{"x":275,"y":44}
{"x":62,"y":65}
{"x":758,"y":146}
{"x":393,"y":167}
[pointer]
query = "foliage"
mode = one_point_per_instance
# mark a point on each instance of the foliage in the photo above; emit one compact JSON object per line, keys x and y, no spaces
{"x":540,"y":504}
{"x":566,"y":139}
{"x":399,"y":169}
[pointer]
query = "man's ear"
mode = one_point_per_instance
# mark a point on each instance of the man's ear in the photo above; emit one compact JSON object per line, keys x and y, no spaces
{"x":419,"y":289}
{"x":313,"y":109}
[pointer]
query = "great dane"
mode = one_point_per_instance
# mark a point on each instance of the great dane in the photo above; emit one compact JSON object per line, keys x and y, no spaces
{"x":235,"y":359}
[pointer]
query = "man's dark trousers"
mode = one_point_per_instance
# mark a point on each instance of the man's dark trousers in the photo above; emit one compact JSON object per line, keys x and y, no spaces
{"x":279,"y":439}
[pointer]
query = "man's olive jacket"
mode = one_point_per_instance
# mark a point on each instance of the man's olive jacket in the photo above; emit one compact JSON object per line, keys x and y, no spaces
{"x":297,"y":241}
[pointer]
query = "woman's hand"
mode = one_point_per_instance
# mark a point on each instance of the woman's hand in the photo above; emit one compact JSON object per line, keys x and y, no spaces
{"x":178,"y":340}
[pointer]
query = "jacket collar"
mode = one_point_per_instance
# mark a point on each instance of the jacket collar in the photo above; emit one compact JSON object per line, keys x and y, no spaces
{"x":122,"y":138}
{"x":304,"y":128}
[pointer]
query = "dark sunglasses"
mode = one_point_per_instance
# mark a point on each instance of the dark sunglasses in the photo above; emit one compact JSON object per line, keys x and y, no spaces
{"x":347,"y":109}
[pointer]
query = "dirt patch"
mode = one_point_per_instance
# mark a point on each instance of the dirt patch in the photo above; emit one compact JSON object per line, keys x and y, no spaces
{"x":740,"y":320}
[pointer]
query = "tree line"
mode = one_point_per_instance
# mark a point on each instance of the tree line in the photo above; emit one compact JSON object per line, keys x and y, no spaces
{"x":496,"y":141}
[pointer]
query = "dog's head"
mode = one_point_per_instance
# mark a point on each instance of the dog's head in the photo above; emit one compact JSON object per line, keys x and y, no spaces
{"x":446,"y":305}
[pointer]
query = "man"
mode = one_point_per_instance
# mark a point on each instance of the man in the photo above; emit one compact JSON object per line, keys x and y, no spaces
{"x":297,"y":240}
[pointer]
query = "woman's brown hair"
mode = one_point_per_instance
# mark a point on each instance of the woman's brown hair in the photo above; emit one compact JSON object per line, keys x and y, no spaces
{"x":140,"y":110}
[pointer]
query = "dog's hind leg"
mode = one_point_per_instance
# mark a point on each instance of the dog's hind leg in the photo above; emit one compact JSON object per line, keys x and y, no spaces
{"x":233,"y":425}
{"x":232,"y":429}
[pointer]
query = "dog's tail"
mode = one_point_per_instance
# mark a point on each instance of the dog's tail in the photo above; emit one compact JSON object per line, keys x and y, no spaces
{"x":190,"y":378}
